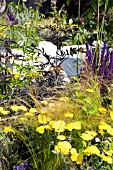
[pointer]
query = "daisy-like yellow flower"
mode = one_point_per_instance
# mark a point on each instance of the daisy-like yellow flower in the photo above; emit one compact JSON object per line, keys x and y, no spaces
{"x":1,"y":109}
{"x":22,"y":118}
{"x":23,"y":108}
{"x":8,"y":129}
{"x":32,"y":110}
{"x":102,"y":110}
{"x":40,"y":129}
{"x":78,"y":157}
{"x":15,"y":108}
{"x":68,"y":114}
{"x":88,"y":135}
{"x":69,"y":126}
{"x":61,"y":137}
{"x":28,"y":114}
{"x":63,"y":147}
{"x":77,"y":125}
{"x":107,"y":159}
{"x":111,"y":115}
{"x":59,"y":125}
{"x":43,"y":119}
{"x":44,"y":102}
{"x":5,"y":112}
{"x":16,"y":75}
{"x":73,"y":151}
{"x":92,"y":150}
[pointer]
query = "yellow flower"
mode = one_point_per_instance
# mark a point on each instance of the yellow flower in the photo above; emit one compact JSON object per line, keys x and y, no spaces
{"x":16,"y":75}
{"x":69,"y":126}
{"x":68,"y":114}
{"x":43,"y":119}
{"x":28,"y":114}
{"x":4,"y":112}
{"x":110,"y":130}
{"x":57,"y":148}
{"x":32,"y":110}
{"x":15,"y":108}
{"x":92,"y":150}
{"x":64,"y":147}
{"x":79,"y":158}
{"x":1,"y":109}
{"x":74,"y":157}
{"x":61,"y":137}
{"x":40,"y":129}
{"x":44,"y":102}
{"x":108,"y":159}
{"x":103,"y":126}
{"x":87,"y":151}
{"x":64,"y":99}
{"x":111,"y":115}
{"x":22,"y":118}
{"x":73,"y":151}
{"x":23,"y":108}
{"x":77,"y":125}
{"x":8,"y":129}
{"x":88,"y":135}
{"x":102,"y":110}
{"x":59,"y":126}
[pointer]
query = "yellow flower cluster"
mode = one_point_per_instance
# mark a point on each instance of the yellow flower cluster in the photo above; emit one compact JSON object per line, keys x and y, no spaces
{"x":8,"y":129}
{"x":16,"y":108}
{"x":4,"y":112}
{"x":41,"y":128}
{"x":88,"y":135}
{"x":104,"y":126}
{"x":63,"y":147}
{"x":78,"y":157}
{"x":92,"y":150}
{"x":58,"y":126}
{"x":102,"y":110}
{"x":111,"y":115}
{"x":73,"y":125}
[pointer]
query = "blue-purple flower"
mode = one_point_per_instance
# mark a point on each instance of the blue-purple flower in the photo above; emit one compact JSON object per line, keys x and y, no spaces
{"x":23,"y":166}
{"x":11,"y":19}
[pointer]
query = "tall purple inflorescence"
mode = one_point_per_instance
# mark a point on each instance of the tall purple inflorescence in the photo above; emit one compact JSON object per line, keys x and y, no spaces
{"x":100,"y":63}
{"x":11,"y":19}
{"x":23,"y":166}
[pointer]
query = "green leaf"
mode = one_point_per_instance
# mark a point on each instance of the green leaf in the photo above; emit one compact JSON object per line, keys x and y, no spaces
{"x":87,"y":100}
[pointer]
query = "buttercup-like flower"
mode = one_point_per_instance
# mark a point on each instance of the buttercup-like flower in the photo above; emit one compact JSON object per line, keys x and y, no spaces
{"x":15,"y":108}
{"x":4,"y":112}
{"x":1,"y":109}
{"x":8,"y":129}
{"x":68,"y":114}
{"x":59,"y":126}
{"x":32,"y":110}
{"x":92,"y":150}
{"x":111,"y":115}
{"x":108,"y":159}
{"x":61,"y":137}
{"x":102,"y":110}
{"x":88,"y":135}
{"x":28,"y":114}
{"x":63,"y":147}
{"x":40,"y":129}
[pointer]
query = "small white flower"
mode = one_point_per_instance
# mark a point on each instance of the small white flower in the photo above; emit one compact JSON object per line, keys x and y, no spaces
{"x":24,"y":0}
{"x":70,"y":21}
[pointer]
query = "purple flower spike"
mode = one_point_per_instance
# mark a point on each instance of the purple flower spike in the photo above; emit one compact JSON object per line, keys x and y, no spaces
{"x":11,"y":19}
